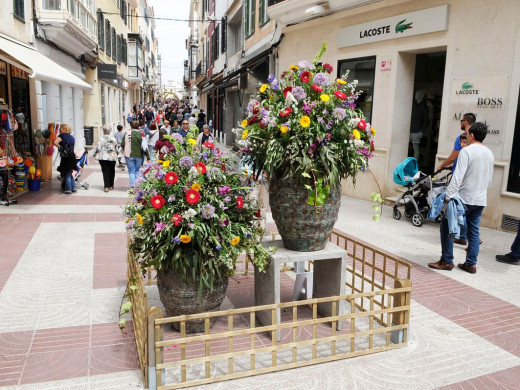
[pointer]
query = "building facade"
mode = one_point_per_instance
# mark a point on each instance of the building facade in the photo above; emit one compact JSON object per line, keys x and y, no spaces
{"x":450,"y":51}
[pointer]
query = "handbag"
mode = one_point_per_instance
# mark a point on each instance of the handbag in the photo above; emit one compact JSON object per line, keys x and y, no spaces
{"x":66,"y":152}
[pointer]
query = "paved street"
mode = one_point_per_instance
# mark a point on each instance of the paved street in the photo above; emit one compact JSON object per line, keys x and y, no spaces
{"x":62,"y":275}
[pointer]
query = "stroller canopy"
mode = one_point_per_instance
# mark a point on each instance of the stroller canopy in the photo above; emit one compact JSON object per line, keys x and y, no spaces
{"x":405,"y":171}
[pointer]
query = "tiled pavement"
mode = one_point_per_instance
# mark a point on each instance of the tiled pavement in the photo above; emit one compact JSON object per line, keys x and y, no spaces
{"x":62,"y":274}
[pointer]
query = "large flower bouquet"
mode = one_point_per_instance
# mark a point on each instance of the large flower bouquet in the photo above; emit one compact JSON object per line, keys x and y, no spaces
{"x":191,"y":211}
{"x":305,"y":125}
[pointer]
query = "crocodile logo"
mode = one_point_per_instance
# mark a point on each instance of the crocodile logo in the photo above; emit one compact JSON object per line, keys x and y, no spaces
{"x":402,"y":26}
{"x":467,"y":85}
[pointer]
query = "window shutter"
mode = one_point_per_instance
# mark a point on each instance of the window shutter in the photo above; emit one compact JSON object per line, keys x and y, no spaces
{"x":107,"y":37}
{"x":262,"y":11}
{"x":253,"y":14}
{"x":247,"y":19}
{"x":101,"y":30}
{"x":114,"y":44}
{"x":217,"y":39}
{"x":224,"y":35}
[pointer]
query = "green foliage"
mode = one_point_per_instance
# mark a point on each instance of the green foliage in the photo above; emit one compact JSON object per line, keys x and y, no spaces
{"x":378,"y":201}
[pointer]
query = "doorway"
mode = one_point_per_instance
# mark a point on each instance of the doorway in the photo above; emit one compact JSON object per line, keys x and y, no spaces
{"x":426,"y":108}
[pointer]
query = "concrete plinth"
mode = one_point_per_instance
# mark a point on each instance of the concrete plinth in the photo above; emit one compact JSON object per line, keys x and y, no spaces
{"x":329,"y":278}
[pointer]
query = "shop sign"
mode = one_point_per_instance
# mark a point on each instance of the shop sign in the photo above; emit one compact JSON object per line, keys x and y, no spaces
{"x":107,"y":71}
{"x":406,"y":25}
{"x":3,"y":68}
{"x":484,"y":97}
{"x":18,"y":73}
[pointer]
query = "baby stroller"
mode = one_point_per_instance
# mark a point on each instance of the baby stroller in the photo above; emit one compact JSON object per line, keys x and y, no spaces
{"x":81,"y":161}
{"x":421,"y":189}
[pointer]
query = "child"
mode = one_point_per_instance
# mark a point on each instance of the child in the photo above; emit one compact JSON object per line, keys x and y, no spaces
{"x":119,"y":137}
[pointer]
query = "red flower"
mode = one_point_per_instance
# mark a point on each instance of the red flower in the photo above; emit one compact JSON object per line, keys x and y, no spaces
{"x":362,"y":125}
{"x":223,"y":167}
{"x":327,"y":68}
{"x":372,"y":146}
{"x":305,"y":76}
{"x":286,"y":112}
{"x":157,"y":201}
{"x":286,"y":90}
{"x":256,"y":109}
{"x":252,"y":120}
{"x":340,"y":95}
{"x":171,"y":178}
{"x":316,"y":88}
{"x":192,"y":196}
{"x":201,"y":168}
{"x":176,"y":219}
{"x":240,"y":202}
{"x":209,"y":145}
{"x":258,"y":214}
{"x":147,"y":170}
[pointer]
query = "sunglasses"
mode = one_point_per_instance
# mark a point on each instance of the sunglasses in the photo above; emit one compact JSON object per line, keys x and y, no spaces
{"x":185,"y":123}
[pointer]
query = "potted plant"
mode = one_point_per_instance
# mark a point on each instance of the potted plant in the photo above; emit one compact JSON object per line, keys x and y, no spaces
{"x":303,"y":130}
{"x":190,"y":217}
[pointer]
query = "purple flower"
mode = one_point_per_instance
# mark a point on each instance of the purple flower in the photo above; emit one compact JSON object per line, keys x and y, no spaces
{"x":227,"y":199}
{"x":299,"y":93}
{"x":176,"y":240}
{"x":320,"y":119}
{"x":191,"y":225}
{"x":159,"y":226}
{"x":307,"y":108}
{"x":130,"y":224}
{"x":160,"y":174}
{"x":218,"y":247}
{"x":252,"y":104}
{"x":208,"y":211}
{"x":248,"y":235}
{"x":223,"y":190}
{"x":186,"y":162}
{"x":270,"y":78}
{"x":275,"y":85}
{"x":305,"y":64}
{"x":339,"y":113}
{"x":177,"y":137}
{"x":205,"y":156}
{"x":171,"y":199}
{"x":321,"y":79}
{"x":223,"y":222}
{"x":222,"y":206}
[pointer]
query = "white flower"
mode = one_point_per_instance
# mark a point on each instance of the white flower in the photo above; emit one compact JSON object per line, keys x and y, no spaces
{"x":189,"y":214}
{"x":359,"y":143}
{"x":193,"y":172}
{"x":354,"y":122}
{"x":290,"y":99}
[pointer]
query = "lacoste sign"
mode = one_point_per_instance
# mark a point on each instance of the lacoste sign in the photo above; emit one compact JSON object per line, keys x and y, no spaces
{"x":400,"y":26}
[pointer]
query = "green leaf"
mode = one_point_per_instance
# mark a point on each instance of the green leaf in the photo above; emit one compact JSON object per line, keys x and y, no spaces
{"x":133,"y":288}
{"x":126,"y":306}
{"x":305,"y":174}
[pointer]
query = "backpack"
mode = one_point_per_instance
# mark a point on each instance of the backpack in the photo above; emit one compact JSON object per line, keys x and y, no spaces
{"x":129,"y":118}
{"x":66,"y":152}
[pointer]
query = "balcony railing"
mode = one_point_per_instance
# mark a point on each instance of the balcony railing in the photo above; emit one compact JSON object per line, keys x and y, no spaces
{"x":201,"y":69}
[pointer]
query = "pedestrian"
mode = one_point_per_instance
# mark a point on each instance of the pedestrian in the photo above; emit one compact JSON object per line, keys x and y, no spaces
{"x":512,"y":257}
{"x":184,"y":129}
{"x":201,"y":119}
{"x":65,"y":142}
{"x":167,"y":127}
{"x":132,"y":150}
{"x":205,"y":136}
{"x":469,"y":183}
{"x":160,"y":118}
{"x":131,"y":116}
{"x":107,"y":151}
{"x":152,"y":140}
{"x":149,"y":116}
{"x":163,"y":145}
{"x":119,"y":138}
{"x":175,"y":127}
{"x":192,"y":120}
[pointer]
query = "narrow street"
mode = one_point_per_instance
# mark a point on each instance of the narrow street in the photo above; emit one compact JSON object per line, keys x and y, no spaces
{"x":64,"y":270}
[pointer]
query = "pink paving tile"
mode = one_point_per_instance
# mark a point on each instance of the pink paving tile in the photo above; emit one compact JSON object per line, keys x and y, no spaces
{"x":56,"y":365}
{"x":109,"y":217}
{"x":109,"y":260}
{"x":59,"y":339}
{"x":82,"y":217}
{"x":509,"y":341}
{"x":505,"y":379}
{"x":109,"y":334}
{"x":15,"y":343}
{"x":52,"y":218}
{"x":113,"y":358}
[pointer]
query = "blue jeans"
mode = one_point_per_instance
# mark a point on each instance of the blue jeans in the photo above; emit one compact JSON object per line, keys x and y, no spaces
{"x":473,"y":215}
{"x":70,"y":184}
{"x":515,"y":248}
{"x":133,"y":164}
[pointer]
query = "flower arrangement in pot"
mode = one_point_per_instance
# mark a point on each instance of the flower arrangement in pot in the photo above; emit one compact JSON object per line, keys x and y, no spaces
{"x":190,"y":217}
{"x":303,"y":130}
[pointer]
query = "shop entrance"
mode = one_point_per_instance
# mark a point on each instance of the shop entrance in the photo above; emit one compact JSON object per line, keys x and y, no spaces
{"x":426,"y":108}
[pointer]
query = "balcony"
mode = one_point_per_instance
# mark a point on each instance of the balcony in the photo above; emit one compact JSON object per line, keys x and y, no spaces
{"x":297,"y":11}
{"x":73,"y":31}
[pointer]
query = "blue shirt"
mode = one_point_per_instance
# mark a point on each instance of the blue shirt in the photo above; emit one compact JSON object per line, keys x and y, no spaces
{"x":458,"y":147}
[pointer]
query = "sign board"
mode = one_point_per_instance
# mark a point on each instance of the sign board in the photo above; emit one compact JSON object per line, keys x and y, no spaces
{"x":484,"y":97}
{"x":406,"y":25}
{"x":3,"y":68}
{"x":107,"y":71}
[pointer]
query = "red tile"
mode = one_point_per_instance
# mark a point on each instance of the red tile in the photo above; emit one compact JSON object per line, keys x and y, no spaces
{"x":59,"y":339}
{"x":505,"y":379}
{"x":56,"y":365}
{"x":113,"y":358}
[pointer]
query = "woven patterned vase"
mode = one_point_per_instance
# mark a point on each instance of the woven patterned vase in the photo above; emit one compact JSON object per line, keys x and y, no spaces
{"x":301,"y":228}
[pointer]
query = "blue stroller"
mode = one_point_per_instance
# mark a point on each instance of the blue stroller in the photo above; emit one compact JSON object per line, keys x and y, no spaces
{"x":421,"y":189}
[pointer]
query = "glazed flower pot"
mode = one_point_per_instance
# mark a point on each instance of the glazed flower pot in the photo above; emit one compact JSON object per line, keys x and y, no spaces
{"x":303,"y":228}
{"x":181,"y":297}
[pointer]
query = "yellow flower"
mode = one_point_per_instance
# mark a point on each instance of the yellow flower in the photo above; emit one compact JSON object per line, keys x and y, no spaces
{"x":262,"y":90}
{"x":185,"y":239}
{"x":373,"y":131}
{"x":340,"y":81}
{"x":139,"y":219}
{"x":244,"y":134}
{"x":293,"y":67}
{"x":192,"y":141}
{"x":195,"y":186}
{"x":234,"y":241}
{"x":325,"y":98}
{"x":356,"y":134}
{"x":284,"y":129}
{"x":244,"y":123}
{"x":305,"y":121}
{"x":166,"y":164}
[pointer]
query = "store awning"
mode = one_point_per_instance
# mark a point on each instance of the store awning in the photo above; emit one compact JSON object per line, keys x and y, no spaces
{"x":37,"y":65}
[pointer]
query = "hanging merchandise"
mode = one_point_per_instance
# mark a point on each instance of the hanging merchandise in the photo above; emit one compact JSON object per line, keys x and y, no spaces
{"x":9,"y":158}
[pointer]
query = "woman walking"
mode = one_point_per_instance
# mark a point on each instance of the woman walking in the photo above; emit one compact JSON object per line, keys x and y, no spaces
{"x":107,"y":149}
{"x":132,"y":149}
{"x":205,"y":136}
{"x":65,"y":142}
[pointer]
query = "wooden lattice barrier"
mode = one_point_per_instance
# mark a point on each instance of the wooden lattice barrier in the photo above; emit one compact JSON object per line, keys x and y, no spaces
{"x":376,"y":319}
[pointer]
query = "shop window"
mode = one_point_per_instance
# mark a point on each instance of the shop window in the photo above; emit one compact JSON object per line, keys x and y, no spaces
{"x":250,"y":17}
{"x":513,"y":182}
{"x":18,"y":10}
{"x":73,"y":9}
{"x":363,"y":70}
{"x":263,"y":18}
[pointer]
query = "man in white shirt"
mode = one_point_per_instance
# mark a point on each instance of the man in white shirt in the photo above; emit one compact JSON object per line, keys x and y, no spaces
{"x":469,"y":183}
{"x":167,"y":127}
